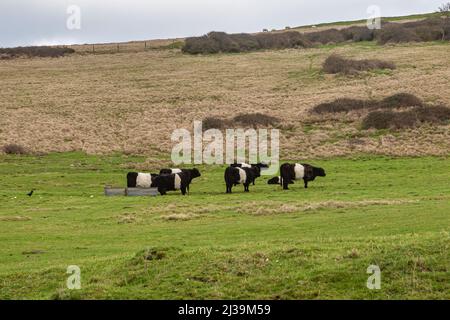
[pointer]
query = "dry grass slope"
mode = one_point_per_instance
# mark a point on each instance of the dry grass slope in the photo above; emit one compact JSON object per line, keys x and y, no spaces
{"x":131,"y":102}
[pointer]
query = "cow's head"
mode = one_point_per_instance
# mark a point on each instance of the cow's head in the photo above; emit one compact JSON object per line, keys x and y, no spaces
{"x":156,"y":181}
{"x":195,"y":173}
{"x":319,"y":172}
{"x":256,"y":172}
{"x":261,"y":165}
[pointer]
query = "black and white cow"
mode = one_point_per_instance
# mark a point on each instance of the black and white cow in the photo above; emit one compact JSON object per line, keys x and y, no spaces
{"x":245,"y":176}
{"x":172,"y":182}
{"x":290,"y":172}
{"x":246,"y":165}
{"x":276,"y":180}
{"x":191,"y":173}
{"x":140,"y":180}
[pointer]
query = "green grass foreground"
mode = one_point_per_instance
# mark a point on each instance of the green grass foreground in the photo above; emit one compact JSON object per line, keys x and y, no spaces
{"x":267,"y":244}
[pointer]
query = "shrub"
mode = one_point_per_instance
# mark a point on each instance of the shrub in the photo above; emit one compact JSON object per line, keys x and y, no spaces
{"x":423,"y":30}
{"x":400,"y":100}
{"x":224,"y":42}
{"x":395,"y":33}
{"x":256,"y":119}
{"x":14,"y":149}
{"x":214,"y":123}
{"x":5,"y":56}
{"x":246,"y":42}
{"x":357,"y":34}
{"x":215,"y":42}
{"x":43,"y":51}
{"x":291,"y":39}
{"x":342,"y":105}
{"x":326,"y":36}
{"x":337,"y":64}
{"x":433,"y":114}
{"x":388,"y":120}
{"x":407,"y":119}
{"x":200,"y":45}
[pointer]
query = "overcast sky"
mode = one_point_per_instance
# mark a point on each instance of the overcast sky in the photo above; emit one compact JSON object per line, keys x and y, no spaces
{"x":39,"y":22}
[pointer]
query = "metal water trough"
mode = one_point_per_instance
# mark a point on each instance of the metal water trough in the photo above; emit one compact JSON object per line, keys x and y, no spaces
{"x":130,"y":192}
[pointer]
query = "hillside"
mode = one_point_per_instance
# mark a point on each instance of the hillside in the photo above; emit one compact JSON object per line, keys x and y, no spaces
{"x":131,"y":102}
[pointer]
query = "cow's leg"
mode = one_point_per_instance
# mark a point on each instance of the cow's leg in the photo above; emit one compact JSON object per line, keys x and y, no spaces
{"x":306,"y":184}
{"x":285,"y":183}
{"x":162,"y":191}
{"x":246,"y":185}
{"x":183,"y":190}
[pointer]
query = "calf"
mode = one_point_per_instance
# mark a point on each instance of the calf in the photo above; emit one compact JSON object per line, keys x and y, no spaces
{"x":276,"y":180}
{"x":290,"y":172}
{"x":172,"y":182}
{"x":140,"y":180}
{"x":245,"y":176}
{"x":246,"y":165}
{"x":190,"y":173}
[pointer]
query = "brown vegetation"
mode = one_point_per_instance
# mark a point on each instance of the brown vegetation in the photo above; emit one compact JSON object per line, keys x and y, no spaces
{"x":256,"y":119}
{"x":214,"y":123}
{"x":407,"y":119}
{"x":337,"y":64}
{"x":14,"y":149}
{"x":41,"y":51}
{"x":430,"y":29}
{"x":399,"y":100}
{"x":215,"y":42}
{"x":243,"y":119}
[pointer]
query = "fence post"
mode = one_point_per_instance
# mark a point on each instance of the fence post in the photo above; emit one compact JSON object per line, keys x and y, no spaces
{"x":93,"y":48}
{"x":117,"y":47}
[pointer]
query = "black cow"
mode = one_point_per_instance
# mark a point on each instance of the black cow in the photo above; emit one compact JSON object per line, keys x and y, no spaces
{"x":246,"y":165}
{"x":172,"y":182}
{"x":276,"y":180}
{"x":245,"y":176}
{"x":290,"y":172}
{"x":140,"y":180}
{"x":191,"y":173}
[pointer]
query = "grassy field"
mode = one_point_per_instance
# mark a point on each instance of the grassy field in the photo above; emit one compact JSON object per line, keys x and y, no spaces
{"x":315,"y":243}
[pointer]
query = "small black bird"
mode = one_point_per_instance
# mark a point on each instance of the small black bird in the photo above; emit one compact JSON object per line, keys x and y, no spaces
{"x":30,"y":193}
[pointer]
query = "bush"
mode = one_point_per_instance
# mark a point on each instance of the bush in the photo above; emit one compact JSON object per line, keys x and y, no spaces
{"x":215,"y":42}
{"x":200,"y":45}
{"x":357,"y":34}
{"x":423,"y":30}
{"x":14,"y":149}
{"x":394,"y":33}
{"x":400,"y":100}
{"x":326,"y":36}
{"x":256,"y":119}
{"x":389,"y":120}
{"x":282,"y":40}
{"x":214,"y":123}
{"x":342,"y":105}
{"x":247,"y":42}
{"x":43,"y":51}
{"x":336,"y":64}
{"x":407,"y":119}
